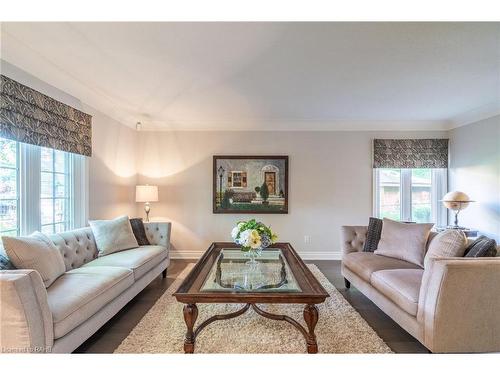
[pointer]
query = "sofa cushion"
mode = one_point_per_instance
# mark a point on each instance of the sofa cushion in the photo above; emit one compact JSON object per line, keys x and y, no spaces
{"x":364,"y":264}
{"x":449,"y":243}
{"x":80,"y":293}
{"x":140,"y":260}
{"x":35,"y":252}
{"x":139,"y":231}
{"x":113,"y":235}
{"x":481,"y":247}
{"x":404,"y":241}
{"x":400,"y":286}
{"x":373,"y":234}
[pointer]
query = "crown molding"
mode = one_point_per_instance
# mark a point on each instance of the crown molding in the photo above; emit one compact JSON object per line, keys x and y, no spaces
{"x":296,"y":125}
{"x":477,"y":114}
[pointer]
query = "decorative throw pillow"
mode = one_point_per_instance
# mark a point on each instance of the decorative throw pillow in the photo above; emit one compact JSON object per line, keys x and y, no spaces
{"x":449,"y":243}
{"x":5,"y":263}
{"x":404,"y":241}
{"x":481,"y":247}
{"x":35,"y":252}
{"x":113,"y":235}
{"x":373,"y":234}
{"x":139,"y":232}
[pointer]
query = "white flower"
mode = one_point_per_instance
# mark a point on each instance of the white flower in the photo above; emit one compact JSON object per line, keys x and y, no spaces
{"x":234,"y":233}
{"x":245,"y":238}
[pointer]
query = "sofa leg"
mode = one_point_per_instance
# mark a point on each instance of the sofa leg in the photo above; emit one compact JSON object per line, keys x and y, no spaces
{"x":347,"y":283}
{"x":164,"y":273}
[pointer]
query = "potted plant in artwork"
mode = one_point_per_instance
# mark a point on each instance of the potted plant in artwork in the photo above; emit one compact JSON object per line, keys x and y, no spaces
{"x":264,"y":193}
{"x":257,"y":191}
{"x":253,"y":236}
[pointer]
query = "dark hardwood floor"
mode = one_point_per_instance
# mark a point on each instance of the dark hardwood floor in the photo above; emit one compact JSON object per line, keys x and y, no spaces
{"x":107,"y":339}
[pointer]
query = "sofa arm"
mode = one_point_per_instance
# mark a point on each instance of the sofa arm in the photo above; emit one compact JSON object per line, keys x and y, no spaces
{"x":25,"y":318}
{"x":459,"y":305}
{"x":158,"y":233}
{"x":352,"y":238}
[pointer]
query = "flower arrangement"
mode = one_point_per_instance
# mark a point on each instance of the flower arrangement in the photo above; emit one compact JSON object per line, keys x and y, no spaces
{"x":253,"y":236}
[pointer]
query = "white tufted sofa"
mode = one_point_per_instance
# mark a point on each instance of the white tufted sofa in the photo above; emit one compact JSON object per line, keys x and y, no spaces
{"x":93,"y":289}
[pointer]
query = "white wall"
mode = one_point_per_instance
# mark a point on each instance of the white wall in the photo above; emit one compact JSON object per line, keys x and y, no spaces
{"x":330,"y":183}
{"x":330,"y":177}
{"x":475,"y":170}
{"x":112,"y":168}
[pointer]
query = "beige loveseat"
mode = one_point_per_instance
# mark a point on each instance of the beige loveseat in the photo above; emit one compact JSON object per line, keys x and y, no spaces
{"x":452,"y":306}
{"x":93,"y":289}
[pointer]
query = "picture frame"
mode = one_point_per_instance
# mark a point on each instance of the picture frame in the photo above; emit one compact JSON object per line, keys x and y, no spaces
{"x":250,"y":184}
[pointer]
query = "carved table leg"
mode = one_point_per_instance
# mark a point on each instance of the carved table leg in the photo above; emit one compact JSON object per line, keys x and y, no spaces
{"x":190,"y":314}
{"x":311,"y":318}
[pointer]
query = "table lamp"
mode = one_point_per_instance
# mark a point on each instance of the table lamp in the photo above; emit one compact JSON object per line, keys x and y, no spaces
{"x":456,"y":201}
{"x":146,"y":194}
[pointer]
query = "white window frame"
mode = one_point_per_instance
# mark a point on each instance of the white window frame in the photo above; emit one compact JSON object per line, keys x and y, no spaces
{"x":29,"y":179}
{"x":439,"y":186}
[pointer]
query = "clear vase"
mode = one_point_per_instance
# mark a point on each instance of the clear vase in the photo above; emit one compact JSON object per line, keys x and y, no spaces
{"x":253,"y":254}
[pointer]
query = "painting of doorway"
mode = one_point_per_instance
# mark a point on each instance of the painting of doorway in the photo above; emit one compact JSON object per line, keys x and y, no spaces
{"x":250,"y":184}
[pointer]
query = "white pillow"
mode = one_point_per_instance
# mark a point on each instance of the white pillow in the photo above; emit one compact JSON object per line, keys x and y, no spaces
{"x":35,"y":252}
{"x":113,"y":235}
{"x":450,"y":243}
{"x":404,"y":241}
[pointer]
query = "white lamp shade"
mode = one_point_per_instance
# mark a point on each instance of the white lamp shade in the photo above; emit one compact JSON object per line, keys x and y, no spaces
{"x":146,"y":193}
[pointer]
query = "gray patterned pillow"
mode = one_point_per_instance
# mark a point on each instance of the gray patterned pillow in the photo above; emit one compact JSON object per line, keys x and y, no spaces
{"x":481,"y":247}
{"x":373,"y":234}
{"x":5,"y":263}
{"x":139,"y":231}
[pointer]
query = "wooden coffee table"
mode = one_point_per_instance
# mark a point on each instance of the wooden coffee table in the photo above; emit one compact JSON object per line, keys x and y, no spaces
{"x":222,"y":275}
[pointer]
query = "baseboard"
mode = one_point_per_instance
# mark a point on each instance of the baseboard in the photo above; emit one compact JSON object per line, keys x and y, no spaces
{"x":306,"y":255}
{"x":185,"y":254}
{"x":321,"y":255}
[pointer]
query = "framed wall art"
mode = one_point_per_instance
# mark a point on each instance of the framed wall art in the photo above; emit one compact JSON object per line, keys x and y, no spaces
{"x":250,"y":184}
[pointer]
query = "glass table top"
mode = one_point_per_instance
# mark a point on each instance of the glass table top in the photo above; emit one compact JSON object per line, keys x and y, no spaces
{"x":230,"y":272}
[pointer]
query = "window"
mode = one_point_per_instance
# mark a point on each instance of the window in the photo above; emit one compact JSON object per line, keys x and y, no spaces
{"x":410,"y":194}
{"x":41,"y":189}
{"x":237,"y":179}
{"x":9,"y":188}
{"x":55,"y":190}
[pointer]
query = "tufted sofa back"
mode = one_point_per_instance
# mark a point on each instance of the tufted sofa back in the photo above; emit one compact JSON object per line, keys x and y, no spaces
{"x":353,"y":238}
{"x":76,"y":246}
{"x":158,"y":233}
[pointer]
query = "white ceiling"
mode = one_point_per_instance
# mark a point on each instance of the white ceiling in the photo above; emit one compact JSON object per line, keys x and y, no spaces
{"x":267,"y":76}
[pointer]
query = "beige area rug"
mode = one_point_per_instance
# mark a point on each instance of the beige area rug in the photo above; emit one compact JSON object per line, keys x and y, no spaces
{"x":340,"y":328}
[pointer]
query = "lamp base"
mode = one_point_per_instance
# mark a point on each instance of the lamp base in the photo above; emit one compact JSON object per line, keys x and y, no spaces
{"x":147,"y":208}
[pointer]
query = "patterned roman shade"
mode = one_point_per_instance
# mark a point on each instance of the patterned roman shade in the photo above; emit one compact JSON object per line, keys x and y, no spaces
{"x":410,"y":153}
{"x":29,"y":116}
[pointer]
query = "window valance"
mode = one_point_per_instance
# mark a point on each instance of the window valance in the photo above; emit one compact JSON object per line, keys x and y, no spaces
{"x":410,"y":153}
{"x":29,"y":116}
